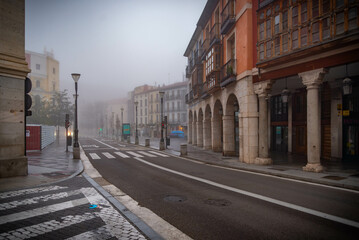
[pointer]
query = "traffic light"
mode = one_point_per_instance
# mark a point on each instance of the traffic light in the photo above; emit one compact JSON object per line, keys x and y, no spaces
{"x":67,"y":120}
{"x":28,"y":100}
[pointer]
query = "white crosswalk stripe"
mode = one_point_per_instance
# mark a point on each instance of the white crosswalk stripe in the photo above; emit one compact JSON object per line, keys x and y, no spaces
{"x":122,"y":155}
{"x":94,"y":156}
{"x":134,"y":154}
{"x":108,"y":155}
{"x":146,"y":154}
{"x":159,"y":154}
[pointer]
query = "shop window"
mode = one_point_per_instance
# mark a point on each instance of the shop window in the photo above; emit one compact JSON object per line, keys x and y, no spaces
{"x":295,"y":39}
{"x":339,"y":23}
{"x":326,"y":6}
{"x":279,"y":110}
{"x":304,"y":36}
{"x":315,"y":32}
{"x":352,"y":19}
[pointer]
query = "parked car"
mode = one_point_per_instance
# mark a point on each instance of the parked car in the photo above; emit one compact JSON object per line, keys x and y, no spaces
{"x":177,"y":134}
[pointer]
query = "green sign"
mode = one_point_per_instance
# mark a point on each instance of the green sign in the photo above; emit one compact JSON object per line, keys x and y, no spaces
{"x":126,"y":129}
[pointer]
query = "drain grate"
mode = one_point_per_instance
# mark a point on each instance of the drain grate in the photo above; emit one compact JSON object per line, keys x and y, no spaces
{"x":217,"y":202}
{"x":175,"y":198}
{"x":337,"y":178}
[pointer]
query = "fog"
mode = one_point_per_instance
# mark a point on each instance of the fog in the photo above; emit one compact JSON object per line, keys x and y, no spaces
{"x":114,"y":45}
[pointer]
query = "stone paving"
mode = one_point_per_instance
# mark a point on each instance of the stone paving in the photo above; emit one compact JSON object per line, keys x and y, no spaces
{"x":71,"y":209}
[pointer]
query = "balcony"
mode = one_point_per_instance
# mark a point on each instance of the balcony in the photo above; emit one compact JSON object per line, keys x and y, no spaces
{"x":213,"y":83}
{"x":205,"y":93}
{"x":214,"y":34}
{"x":203,"y":49}
{"x":228,"y":73}
{"x":197,"y":91}
{"x":228,"y":17}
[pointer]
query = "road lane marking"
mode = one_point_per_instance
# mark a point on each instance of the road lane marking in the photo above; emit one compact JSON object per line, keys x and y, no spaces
{"x":122,"y":155}
{"x":258,"y":196}
{"x":94,"y":156}
{"x":42,"y":210}
{"x":134,"y":154}
{"x":159,"y":154}
{"x":108,"y":155}
{"x":147,"y":154}
{"x":105,"y":144}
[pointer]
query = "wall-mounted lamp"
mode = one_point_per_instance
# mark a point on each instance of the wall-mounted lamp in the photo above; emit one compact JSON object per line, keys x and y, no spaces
{"x":347,"y":83}
{"x":285,"y":93}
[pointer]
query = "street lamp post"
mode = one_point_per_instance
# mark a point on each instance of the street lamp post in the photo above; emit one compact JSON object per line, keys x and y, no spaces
{"x":76,"y":148}
{"x":136,"y":138}
{"x":162,"y":142}
{"x":122,"y":124}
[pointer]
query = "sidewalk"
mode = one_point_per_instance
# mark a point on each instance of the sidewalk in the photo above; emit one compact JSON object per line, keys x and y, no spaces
{"x":286,"y":168}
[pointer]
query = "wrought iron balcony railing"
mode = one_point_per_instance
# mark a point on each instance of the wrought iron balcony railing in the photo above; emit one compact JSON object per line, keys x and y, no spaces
{"x":228,"y":17}
{"x":215,"y":34}
{"x":228,"y":72}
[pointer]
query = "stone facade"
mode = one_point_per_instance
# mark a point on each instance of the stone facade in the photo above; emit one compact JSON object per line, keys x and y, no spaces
{"x":13,"y":71}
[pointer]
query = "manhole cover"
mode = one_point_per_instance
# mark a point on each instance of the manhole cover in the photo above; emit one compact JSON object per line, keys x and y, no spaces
{"x":218,"y":202}
{"x":174,"y":198}
{"x":337,"y":178}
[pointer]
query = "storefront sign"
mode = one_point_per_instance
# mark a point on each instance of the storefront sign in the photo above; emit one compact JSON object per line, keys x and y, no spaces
{"x":346,"y":112}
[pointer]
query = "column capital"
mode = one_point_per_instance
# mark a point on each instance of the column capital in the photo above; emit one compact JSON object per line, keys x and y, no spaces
{"x":262,"y":88}
{"x":313,"y":78}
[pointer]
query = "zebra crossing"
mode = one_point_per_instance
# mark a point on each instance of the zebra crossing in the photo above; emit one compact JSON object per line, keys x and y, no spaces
{"x":62,"y":212}
{"x":127,"y":154}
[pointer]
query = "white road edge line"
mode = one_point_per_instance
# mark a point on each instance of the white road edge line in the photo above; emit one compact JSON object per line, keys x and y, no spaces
{"x":257,"y":196}
{"x":105,"y":144}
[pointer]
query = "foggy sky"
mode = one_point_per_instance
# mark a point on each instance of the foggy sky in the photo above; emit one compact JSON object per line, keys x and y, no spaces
{"x":115,"y":45}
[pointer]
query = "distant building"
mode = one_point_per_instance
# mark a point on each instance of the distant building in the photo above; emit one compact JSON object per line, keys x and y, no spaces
{"x":116,"y":113}
{"x":44,"y":75}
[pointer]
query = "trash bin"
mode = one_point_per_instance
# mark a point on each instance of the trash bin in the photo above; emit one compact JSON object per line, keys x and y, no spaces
{"x":69,"y":140}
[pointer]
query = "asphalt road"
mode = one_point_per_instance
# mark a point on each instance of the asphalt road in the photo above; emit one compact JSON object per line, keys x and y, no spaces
{"x":207,"y":202}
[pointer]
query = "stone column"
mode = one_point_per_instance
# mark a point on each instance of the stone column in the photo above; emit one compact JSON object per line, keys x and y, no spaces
{"x":194,"y":133}
{"x":200,"y":133}
{"x":262,"y":89}
{"x":228,"y":136}
{"x":207,"y":136}
{"x":312,"y":80}
{"x":216,"y":135}
{"x":189,"y":137}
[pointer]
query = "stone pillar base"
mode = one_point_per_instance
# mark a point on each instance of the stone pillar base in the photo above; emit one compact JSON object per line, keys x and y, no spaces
{"x":183,"y":150}
{"x":263,"y":161}
{"x":199,"y":145}
{"x":76,"y":152}
{"x":13,"y":167}
{"x":162,"y":146}
{"x":207,"y":148}
{"x":313,"y":167}
{"x":217,"y":149}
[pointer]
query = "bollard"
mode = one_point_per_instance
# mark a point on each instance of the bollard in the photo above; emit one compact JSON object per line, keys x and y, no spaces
{"x":183,"y":149}
{"x":147,"y":142}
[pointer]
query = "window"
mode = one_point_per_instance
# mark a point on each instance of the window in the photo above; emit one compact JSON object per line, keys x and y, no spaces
{"x":268,"y":29}
{"x":145,"y":111}
{"x":295,"y":16}
{"x":276,"y":24}
{"x":37,"y":66}
{"x":326,"y":6}
{"x":303,"y":12}
{"x":304,"y":36}
{"x":315,"y":32}
{"x":261,"y":31}
{"x":285,"y":21}
{"x":326,"y":28}
{"x":352,"y":18}
{"x":339,"y":3}
{"x":339,"y":23}
{"x":295,"y":39}
{"x":261,"y":51}
{"x":279,"y":109}
{"x":178,"y":106}
{"x":141,"y":103}
{"x":269,"y":49}
{"x":178,"y":117}
{"x":145,"y":102}
{"x":173,"y":106}
{"x":213,"y":60}
{"x":157,"y":107}
{"x":315,"y":8}
{"x":277,"y":46}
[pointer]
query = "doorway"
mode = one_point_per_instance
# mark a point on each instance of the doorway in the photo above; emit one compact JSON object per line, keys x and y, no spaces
{"x":299,"y":134}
